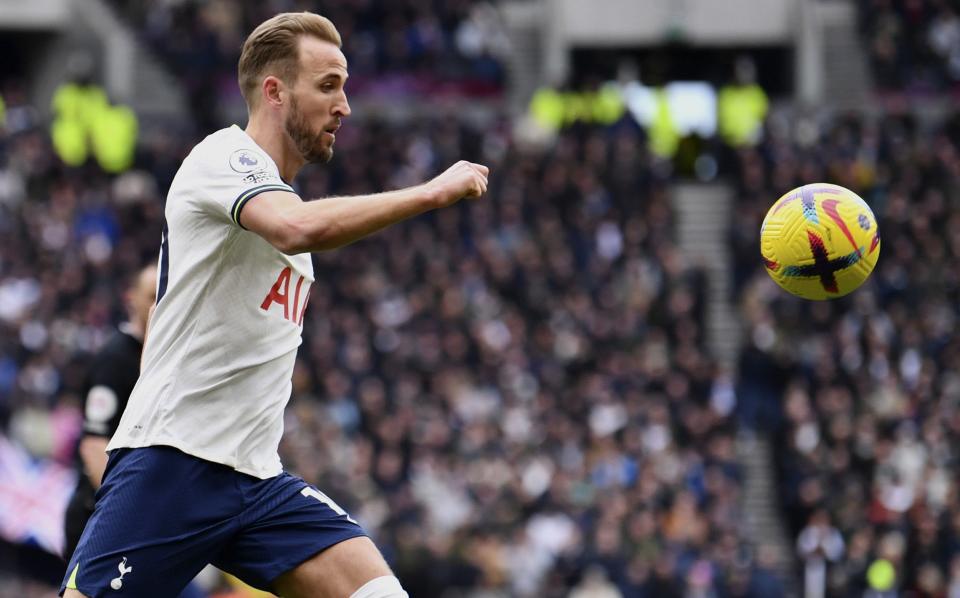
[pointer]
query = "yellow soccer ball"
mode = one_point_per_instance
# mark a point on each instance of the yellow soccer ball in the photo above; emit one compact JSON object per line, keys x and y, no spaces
{"x":820,"y":241}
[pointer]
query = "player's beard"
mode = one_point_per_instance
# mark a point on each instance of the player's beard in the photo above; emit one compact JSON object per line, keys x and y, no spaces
{"x":310,"y":145}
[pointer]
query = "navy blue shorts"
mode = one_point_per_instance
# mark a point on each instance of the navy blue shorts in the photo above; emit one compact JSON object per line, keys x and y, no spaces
{"x":162,"y":515}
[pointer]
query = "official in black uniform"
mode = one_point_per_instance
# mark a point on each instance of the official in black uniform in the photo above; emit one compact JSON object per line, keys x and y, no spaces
{"x":111,"y":378}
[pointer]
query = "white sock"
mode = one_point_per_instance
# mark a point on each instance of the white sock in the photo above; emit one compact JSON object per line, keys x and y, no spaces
{"x":387,"y":586}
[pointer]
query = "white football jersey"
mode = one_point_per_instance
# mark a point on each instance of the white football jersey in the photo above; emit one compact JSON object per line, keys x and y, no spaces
{"x":220,"y":351}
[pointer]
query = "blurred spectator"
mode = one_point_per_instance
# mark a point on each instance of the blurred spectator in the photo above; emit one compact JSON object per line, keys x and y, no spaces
{"x":742,"y":106}
{"x":553,"y":109}
{"x":818,"y":544}
{"x":85,"y":123}
{"x":595,"y":585}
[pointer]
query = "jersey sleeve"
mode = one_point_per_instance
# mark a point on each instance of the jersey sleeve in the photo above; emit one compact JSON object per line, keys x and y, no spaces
{"x":232,"y":177}
{"x":105,"y":400}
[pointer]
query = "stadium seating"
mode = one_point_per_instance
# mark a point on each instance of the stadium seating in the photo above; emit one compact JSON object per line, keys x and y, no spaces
{"x":912,"y":46}
{"x":861,"y":393}
{"x":408,"y":48}
{"x":514,"y":395}
{"x":508,"y":394}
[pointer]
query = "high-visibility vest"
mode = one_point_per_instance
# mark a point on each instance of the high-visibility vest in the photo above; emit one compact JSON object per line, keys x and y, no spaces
{"x":113,"y":136}
{"x":662,"y":132}
{"x":607,"y":105}
{"x":84,"y":121}
{"x":741,"y":109}
{"x":70,"y":141}
{"x":75,"y":108}
{"x":576,"y":107}
{"x":546,"y":108}
{"x":80,"y":103}
{"x":554,"y":110}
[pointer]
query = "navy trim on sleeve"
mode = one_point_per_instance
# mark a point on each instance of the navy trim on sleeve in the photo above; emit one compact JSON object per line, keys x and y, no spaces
{"x":249,"y":194}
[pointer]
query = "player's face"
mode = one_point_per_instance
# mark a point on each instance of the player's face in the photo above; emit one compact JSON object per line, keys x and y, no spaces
{"x":318,"y":100}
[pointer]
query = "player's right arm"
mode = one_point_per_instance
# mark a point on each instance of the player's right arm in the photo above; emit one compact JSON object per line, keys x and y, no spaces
{"x":295,"y":226}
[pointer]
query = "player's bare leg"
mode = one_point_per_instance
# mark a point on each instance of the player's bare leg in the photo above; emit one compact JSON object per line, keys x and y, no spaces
{"x":337,"y":572}
{"x":73,"y":594}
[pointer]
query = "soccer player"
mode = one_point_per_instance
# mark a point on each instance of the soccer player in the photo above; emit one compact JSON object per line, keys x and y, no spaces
{"x":113,"y":374}
{"x":193,"y":474}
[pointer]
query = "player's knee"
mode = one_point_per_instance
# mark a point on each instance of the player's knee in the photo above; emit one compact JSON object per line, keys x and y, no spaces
{"x":387,"y":586}
{"x":73,"y":594}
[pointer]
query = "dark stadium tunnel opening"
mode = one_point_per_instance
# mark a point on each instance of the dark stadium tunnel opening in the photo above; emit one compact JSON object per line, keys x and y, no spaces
{"x":681,"y":62}
{"x":20,"y":52}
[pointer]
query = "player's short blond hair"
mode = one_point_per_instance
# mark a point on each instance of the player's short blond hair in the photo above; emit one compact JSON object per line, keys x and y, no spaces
{"x":273,"y":49}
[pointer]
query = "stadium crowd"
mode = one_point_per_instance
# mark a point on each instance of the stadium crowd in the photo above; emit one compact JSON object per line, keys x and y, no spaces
{"x":513,"y":396}
{"x":410,"y":48}
{"x":862,"y":392}
{"x":912,"y":45}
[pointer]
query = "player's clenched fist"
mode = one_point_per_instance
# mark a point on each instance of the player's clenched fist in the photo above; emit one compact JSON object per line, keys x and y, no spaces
{"x":463,"y":179}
